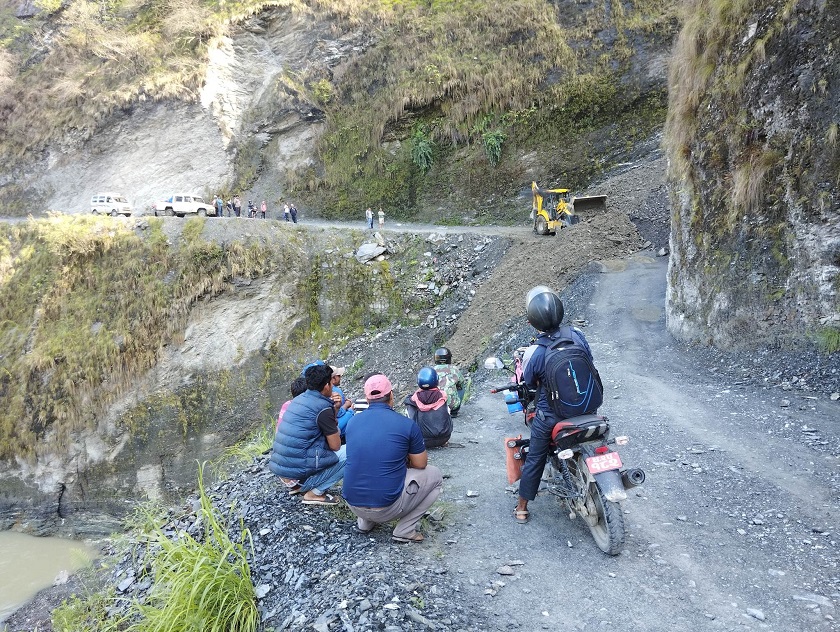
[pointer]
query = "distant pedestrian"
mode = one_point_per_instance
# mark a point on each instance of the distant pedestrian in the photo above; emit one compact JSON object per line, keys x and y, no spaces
{"x":286,"y":212}
{"x":381,"y":218}
{"x":229,"y":207}
{"x":293,"y":211}
{"x":252,"y":209}
{"x":219,"y":204}
{"x":369,"y":218}
{"x":237,"y":206}
{"x":263,"y":209}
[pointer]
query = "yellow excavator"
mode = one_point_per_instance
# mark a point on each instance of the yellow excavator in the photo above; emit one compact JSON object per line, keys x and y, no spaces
{"x":553,"y":208}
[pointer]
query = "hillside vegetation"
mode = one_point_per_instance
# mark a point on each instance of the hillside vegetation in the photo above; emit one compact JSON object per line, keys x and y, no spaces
{"x":447,"y":92}
{"x":87,"y":304}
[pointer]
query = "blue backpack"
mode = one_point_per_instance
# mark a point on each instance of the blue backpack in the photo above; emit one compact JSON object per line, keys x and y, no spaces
{"x":572,"y":386}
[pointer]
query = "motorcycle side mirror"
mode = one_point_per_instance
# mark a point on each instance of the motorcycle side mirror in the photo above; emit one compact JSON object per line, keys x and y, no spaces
{"x":493,"y":363}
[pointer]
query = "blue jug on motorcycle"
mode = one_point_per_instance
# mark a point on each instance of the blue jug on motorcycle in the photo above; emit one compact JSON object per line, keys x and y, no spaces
{"x":584,"y":470}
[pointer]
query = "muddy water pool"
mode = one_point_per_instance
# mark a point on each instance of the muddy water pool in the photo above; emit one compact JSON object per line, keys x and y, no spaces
{"x":29,"y":564}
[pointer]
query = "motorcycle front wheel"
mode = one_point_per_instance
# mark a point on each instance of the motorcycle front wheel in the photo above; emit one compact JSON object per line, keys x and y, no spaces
{"x":604,"y":518}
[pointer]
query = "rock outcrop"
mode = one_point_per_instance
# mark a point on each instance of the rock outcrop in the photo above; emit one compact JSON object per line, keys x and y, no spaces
{"x":755,"y":157}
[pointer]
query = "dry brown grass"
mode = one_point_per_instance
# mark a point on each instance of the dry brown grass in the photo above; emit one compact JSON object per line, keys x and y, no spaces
{"x":748,"y":182}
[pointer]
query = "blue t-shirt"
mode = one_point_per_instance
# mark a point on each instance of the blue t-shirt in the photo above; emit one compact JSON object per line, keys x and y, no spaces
{"x":378,"y":442}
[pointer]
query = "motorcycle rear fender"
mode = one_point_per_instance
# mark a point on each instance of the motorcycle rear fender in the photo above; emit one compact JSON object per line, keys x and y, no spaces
{"x":611,"y":485}
{"x":609,"y":482}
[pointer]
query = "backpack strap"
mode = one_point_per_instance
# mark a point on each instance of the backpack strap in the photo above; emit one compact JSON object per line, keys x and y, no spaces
{"x":563,"y":336}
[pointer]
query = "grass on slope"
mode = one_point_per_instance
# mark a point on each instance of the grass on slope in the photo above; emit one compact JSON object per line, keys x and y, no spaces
{"x":480,"y":75}
{"x":86,"y":304}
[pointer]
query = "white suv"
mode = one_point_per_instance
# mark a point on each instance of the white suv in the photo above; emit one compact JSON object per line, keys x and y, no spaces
{"x":112,"y":204}
{"x":181,"y":205}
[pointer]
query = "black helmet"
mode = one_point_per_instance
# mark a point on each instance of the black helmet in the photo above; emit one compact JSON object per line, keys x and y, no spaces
{"x":443,"y":356}
{"x":544,"y":308}
{"x":427,"y":378}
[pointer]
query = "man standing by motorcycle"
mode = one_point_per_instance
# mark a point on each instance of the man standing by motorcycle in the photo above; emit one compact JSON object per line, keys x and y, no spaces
{"x":545,"y":312}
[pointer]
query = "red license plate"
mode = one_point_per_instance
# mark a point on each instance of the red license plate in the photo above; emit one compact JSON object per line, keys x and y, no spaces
{"x":603,"y":462}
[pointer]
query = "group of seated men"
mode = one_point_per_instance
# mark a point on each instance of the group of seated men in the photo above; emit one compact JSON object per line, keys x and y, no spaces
{"x":381,"y":456}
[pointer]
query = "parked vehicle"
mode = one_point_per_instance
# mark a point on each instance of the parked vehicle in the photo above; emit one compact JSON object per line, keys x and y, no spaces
{"x":181,"y":204}
{"x":110,"y":204}
{"x":584,"y":470}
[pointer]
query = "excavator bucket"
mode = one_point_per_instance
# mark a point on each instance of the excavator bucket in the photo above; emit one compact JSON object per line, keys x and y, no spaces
{"x":596,"y":203}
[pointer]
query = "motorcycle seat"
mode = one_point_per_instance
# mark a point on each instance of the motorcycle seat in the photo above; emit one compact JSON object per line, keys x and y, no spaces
{"x":569,"y":432}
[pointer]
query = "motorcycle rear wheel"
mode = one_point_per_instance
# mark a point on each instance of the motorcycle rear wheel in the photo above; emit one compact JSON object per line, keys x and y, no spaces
{"x":605,"y":519}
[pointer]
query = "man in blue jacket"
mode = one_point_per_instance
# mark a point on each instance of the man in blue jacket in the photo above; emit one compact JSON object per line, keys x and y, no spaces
{"x":387,"y":475}
{"x":307,"y":447}
{"x":545,"y":313}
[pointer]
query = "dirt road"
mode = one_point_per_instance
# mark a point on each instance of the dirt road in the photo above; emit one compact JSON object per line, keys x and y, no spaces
{"x":735,"y":528}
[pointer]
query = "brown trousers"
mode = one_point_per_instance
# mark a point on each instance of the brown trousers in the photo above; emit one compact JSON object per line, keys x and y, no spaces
{"x":421,"y":489}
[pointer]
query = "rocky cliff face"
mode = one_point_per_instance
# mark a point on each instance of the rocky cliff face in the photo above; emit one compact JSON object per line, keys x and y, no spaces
{"x":252,"y":124}
{"x":755,"y":165}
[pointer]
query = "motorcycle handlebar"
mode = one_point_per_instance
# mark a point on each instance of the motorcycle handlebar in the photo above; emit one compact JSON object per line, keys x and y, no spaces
{"x":506,"y":387}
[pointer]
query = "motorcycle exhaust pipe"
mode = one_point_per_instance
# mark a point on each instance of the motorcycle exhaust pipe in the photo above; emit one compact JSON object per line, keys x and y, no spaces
{"x":632,"y":477}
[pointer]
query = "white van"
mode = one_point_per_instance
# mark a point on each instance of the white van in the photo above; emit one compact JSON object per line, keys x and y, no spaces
{"x":112,"y":204}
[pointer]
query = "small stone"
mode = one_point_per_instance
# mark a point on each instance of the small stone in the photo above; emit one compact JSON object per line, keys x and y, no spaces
{"x":682,"y":518}
{"x":505,"y":570}
{"x":125,"y":584}
{"x":472,"y":493}
{"x":436,"y":514}
{"x":784,"y":403}
{"x":262,"y":590}
{"x":364,"y":605}
{"x":835,"y":397}
{"x":755,"y":614}
{"x":62,"y":578}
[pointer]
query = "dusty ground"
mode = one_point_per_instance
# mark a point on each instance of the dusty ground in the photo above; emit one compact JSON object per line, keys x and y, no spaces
{"x":734,"y":529}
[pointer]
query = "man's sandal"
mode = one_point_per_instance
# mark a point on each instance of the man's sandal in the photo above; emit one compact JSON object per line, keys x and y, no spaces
{"x":327,"y":500}
{"x":521,"y":515}
{"x":412,"y":537}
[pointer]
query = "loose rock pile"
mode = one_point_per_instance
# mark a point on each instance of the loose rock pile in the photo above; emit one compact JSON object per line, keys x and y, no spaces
{"x":312,"y":570}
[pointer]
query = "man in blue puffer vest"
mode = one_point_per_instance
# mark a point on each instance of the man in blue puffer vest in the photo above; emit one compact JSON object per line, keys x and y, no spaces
{"x":307,"y":447}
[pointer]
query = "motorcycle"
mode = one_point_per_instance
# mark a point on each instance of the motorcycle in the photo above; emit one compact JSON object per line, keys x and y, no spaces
{"x":583,"y":469}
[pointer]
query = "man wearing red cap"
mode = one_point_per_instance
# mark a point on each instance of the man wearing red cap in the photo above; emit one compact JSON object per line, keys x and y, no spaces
{"x":387,"y":476}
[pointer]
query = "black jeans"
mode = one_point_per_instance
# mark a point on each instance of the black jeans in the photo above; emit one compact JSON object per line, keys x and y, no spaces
{"x":532,"y":470}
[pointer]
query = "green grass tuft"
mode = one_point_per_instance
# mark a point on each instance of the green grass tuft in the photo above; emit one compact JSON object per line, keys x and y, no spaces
{"x":828,"y":339}
{"x":201,"y":584}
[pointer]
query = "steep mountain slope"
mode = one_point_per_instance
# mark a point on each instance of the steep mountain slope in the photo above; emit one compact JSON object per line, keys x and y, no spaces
{"x":753,"y":141}
{"x":435,"y":108}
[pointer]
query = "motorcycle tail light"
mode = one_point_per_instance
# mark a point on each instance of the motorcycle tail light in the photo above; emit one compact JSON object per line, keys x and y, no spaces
{"x":622,"y":440}
{"x":602,"y":449}
{"x":565,"y":454}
